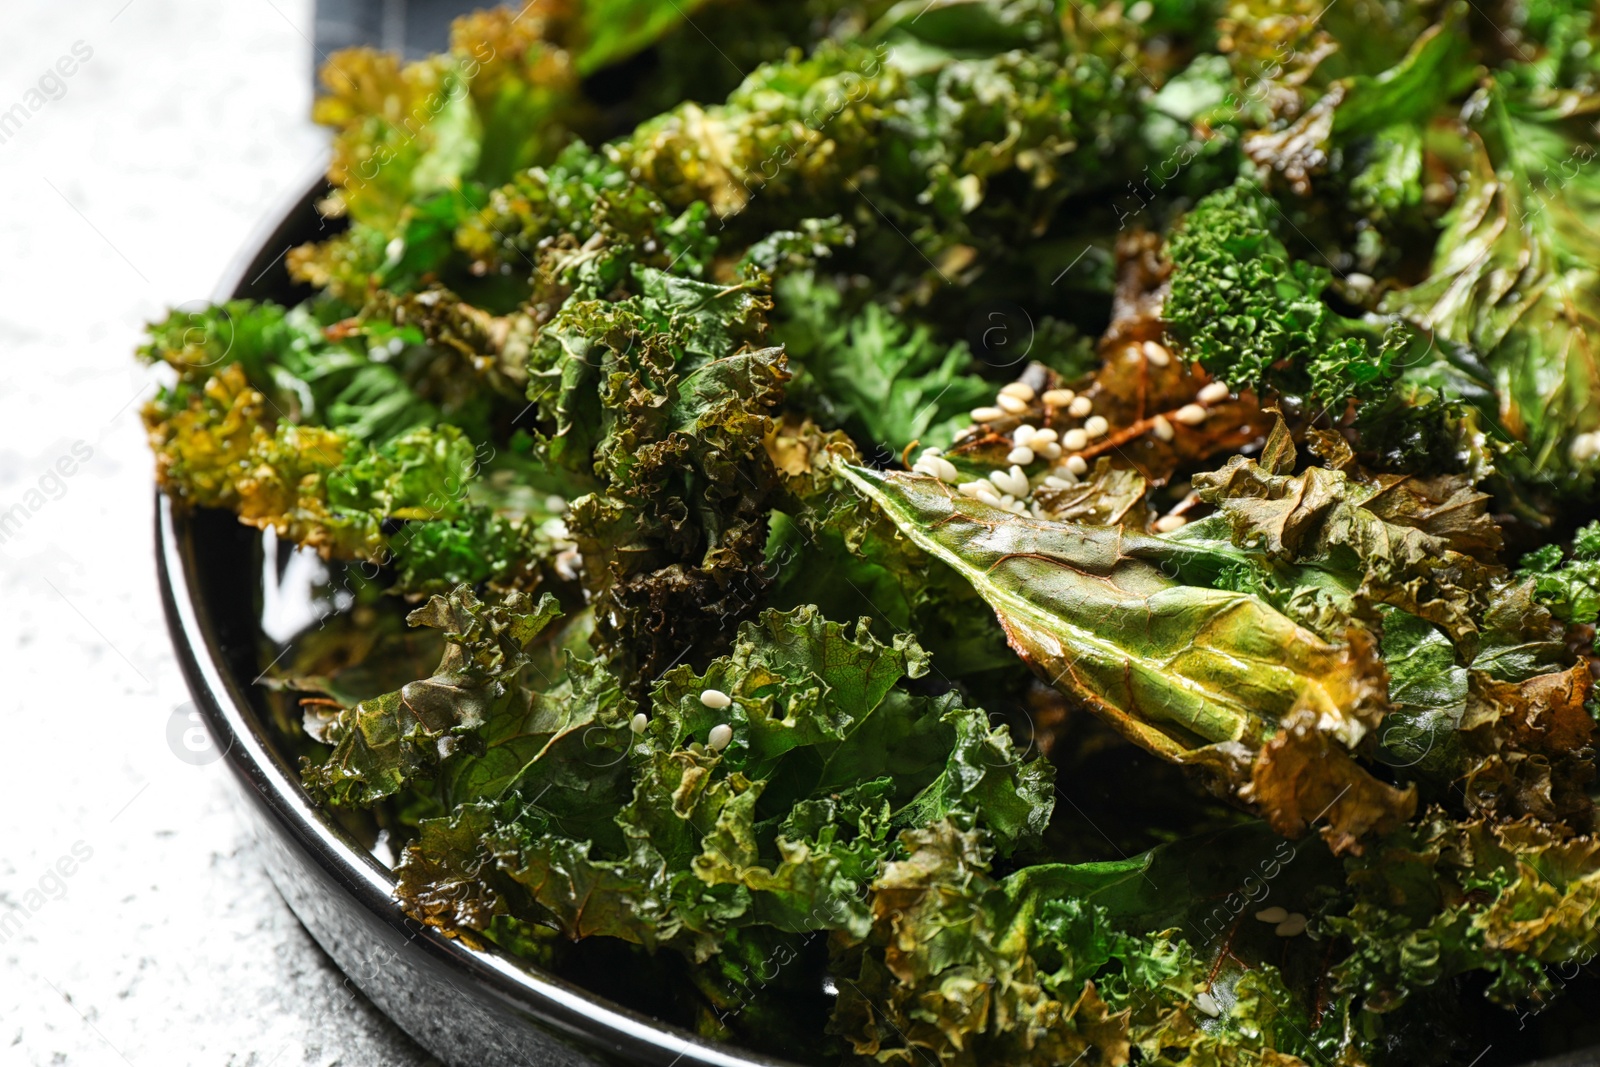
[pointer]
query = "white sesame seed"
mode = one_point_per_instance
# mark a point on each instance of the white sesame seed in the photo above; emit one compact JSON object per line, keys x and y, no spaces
{"x":1096,"y":426}
{"x":1190,"y":414}
{"x":971,"y":488}
{"x":1022,"y":455}
{"x":986,"y":414}
{"x":1074,"y":440}
{"x":1021,"y":390}
{"x":1170,"y":523}
{"x":715,"y":698}
{"x":1273,"y":915}
{"x":931,"y":451}
{"x":1058,"y":398}
{"x":988,"y":496}
{"x":1057,"y":483}
{"x":1049,"y":450}
{"x":1080,"y":407}
{"x":923,"y":466}
{"x":719,"y":737}
{"x":1293,"y":926}
{"x":639,"y":723}
{"x":1046,"y":434}
{"x":1156,"y":354}
{"x":1010,"y":404}
{"x":1077,"y":465}
{"x":1213,"y":393}
{"x":1016,"y":507}
{"x":1584,"y":447}
{"x":1023,"y":435}
{"x":1208,"y":1004}
{"x":1012,"y":482}
{"x":1007,"y":500}
{"x":1162,"y":428}
{"x":947,"y":470}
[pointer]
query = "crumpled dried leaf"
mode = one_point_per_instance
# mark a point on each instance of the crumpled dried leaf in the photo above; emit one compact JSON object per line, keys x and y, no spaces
{"x":1321,"y":516}
{"x":1445,"y":897}
{"x":1301,"y":776}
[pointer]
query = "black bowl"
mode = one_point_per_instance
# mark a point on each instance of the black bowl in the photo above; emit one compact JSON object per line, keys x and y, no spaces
{"x":468,"y":1007}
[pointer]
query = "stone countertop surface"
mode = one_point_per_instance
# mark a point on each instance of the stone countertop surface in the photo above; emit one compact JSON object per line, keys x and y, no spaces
{"x":136,"y":926}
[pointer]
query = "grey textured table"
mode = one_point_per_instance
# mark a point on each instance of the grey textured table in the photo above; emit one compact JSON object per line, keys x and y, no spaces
{"x":135,"y":925}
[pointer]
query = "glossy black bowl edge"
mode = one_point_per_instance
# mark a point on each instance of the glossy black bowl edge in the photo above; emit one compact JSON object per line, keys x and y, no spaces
{"x":469,"y":1008}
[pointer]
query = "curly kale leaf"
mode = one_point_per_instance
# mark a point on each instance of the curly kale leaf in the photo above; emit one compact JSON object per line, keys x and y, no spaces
{"x":889,"y":381}
{"x":664,"y":397}
{"x":1569,"y":587}
{"x":579,"y":223}
{"x":905,"y":143}
{"x":373,"y":389}
{"x":419,"y":146}
{"x":413,"y":502}
{"x":501,"y":98}
{"x":852,"y":674}
{"x":1254,"y":316}
{"x":318,"y":487}
{"x":366,"y":441}
{"x":1056,"y":963}
{"x":383,"y":744}
{"x":494,"y":102}
{"x":784,"y":826}
{"x":1447,"y":897}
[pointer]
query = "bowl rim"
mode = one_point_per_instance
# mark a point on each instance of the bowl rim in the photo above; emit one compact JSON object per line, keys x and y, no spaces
{"x":219,"y":695}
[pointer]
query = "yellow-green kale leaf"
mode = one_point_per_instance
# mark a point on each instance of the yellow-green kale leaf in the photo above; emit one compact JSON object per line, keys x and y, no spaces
{"x":1141,"y":630}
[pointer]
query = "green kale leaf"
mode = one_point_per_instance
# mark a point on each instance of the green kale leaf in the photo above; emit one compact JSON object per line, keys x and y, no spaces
{"x":782,"y":824}
{"x":664,"y":398}
{"x":1513,"y":279}
{"x":1570,"y":588}
{"x":889,"y":382}
{"x":1059,"y":962}
{"x":1139,"y":630}
{"x":1445,"y":897}
{"x":382,"y":744}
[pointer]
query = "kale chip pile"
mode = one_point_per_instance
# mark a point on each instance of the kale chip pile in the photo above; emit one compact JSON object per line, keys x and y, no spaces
{"x":970,"y":533}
